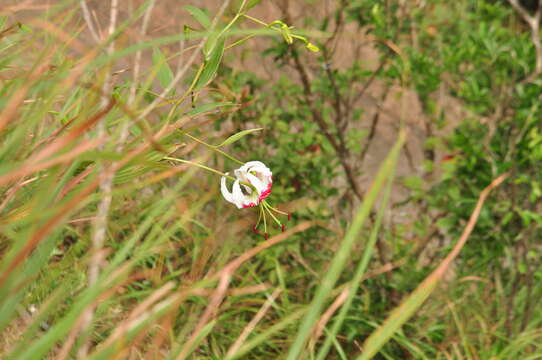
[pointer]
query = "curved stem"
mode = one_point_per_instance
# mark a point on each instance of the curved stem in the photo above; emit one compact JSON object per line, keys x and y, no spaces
{"x":209,"y":169}
{"x":212,"y":147}
{"x":256,"y":20}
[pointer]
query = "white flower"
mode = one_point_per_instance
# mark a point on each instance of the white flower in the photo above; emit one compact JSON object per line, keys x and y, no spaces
{"x":254,"y":173}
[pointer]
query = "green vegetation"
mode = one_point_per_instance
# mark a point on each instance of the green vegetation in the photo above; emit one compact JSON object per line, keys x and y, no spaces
{"x":115,"y":240}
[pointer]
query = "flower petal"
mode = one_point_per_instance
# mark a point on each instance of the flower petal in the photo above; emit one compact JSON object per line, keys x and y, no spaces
{"x":250,"y":164}
{"x":224,"y":189}
{"x":237,"y":195}
{"x":257,"y":183}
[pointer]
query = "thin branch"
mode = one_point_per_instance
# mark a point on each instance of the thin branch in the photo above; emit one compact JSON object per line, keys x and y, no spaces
{"x":186,"y":66}
{"x":317,"y":116}
{"x":139,"y":53}
{"x":252,"y":324}
{"x":88,"y":20}
{"x":106,"y":187}
{"x":124,"y":132}
{"x":534,"y":24}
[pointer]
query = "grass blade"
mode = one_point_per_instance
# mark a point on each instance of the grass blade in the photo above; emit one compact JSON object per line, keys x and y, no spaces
{"x":342,"y":255}
{"x":413,"y":302}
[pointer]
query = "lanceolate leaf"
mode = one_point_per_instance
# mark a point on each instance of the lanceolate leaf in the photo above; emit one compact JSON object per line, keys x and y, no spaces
{"x":164,"y":75}
{"x":251,"y":4}
{"x":238,"y":136}
{"x":208,"y":107}
{"x":200,"y":15}
{"x":211,"y":65}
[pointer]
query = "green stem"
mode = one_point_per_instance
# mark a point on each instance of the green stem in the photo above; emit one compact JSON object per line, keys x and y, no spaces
{"x":237,"y":16}
{"x":192,"y":85}
{"x":239,"y":42}
{"x":256,"y":20}
{"x":200,"y":70}
{"x":210,"y":169}
{"x":212,"y":147}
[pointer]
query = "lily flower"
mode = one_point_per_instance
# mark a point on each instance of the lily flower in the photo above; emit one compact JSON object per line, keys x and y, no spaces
{"x":251,"y":187}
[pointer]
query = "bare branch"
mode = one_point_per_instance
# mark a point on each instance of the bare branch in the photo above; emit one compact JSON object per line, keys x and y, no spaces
{"x":252,"y":324}
{"x":137,"y":67}
{"x":180,"y":74}
{"x":534,"y":24}
{"x":88,"y":20}
{"x":106,"y":187}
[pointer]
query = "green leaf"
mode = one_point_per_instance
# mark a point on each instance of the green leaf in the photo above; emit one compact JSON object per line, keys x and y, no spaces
{"x":199,"y":14}
{"x":344,"y":252}
{"x":164,"y":75}
{"x":251,"y":4}
{"x":238,"y":136}
{"x":208,"y":107}
{"x":211,"y":65}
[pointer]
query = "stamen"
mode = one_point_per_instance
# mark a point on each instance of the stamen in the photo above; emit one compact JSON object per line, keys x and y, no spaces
{"x":264,"y":220}
{"x":267,"y":206}
{"x":260,"y":216}
{"x":277,"y":210}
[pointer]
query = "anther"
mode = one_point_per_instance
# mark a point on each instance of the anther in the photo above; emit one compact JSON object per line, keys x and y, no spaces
{"x":266,"y":236}
{"x":255,"y":230}
{"x":283,"y":227}
{"x":289,"y":216}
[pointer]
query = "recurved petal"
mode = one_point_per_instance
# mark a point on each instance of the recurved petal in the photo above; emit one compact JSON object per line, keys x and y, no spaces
{"x":224,"y":189}
{"x":257,"y":183}
{"x":251,"y":164}
{"x":237,"y":195}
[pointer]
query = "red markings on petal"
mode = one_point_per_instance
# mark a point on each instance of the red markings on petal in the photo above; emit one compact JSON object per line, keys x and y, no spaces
{"x":249,"y":205}
{"x":266,"y":192}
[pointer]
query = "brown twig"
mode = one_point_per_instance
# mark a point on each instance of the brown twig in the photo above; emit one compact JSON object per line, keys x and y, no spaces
{"x":326,"y":316}
{"x":338,"y":146}
{"x":106,"y":184}
{"x":534,"y":24}
{"x":252,"y":324}
{"x":88,"y":20}
{"x":401,"y":313}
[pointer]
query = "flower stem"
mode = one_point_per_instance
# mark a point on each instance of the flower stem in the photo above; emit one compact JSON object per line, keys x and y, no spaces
{"x":200,"y":166}
{"x":212,"y":147}
{"x":255,"y":20}
{"x":210,"y":169}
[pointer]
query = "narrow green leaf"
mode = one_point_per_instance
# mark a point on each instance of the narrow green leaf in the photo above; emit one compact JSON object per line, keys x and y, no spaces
{"x":211,"y":65}
{"x":400,"y":314}
{"x":164,"y":75}
{"x":199,"y":14}
{"x":208,"y":107}
{"x":360,"y":271}
{"x":343,"y":254}
{"x":251,"y":4}
{"x":238,"y":136}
